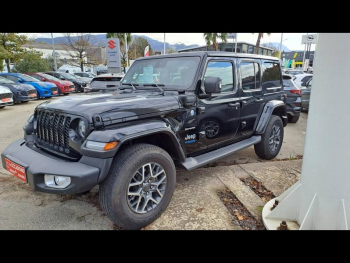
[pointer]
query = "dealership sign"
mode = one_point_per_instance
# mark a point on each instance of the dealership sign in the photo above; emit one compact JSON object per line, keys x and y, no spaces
{"x":309,"y":39}
{"x":113,"y":53}
{"x":232,"y":35}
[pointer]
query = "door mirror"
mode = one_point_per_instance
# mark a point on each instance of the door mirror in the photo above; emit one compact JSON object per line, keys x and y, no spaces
{"x":20,"y":80}
{"x":62,"y":78}
{"x":212,"y":85}
{"x":43,"y":79}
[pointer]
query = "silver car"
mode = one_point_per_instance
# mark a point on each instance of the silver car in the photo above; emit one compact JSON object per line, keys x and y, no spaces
{"x":105,"y":82}
{"x":6,"y":97}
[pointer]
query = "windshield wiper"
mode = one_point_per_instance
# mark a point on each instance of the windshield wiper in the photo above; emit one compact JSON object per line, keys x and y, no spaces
{"x":132,"y":85}
{"x":156,"y":85}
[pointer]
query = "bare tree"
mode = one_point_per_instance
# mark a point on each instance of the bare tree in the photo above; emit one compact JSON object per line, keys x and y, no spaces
{"x":81,"y":49}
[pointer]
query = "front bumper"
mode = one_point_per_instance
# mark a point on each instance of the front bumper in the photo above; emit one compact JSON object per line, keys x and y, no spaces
{"x":84,"y":174}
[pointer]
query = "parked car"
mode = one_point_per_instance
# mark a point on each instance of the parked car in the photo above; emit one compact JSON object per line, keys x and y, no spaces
{"x":21,"y":92}
{"x":105,"y":82}
{"x":301,"y":79}
{"x":78,"y":83}
{"x":44,"y":89}
{"x":6,"y":97}
{"x":85,"y":75}
{"x":130,"y":141}
{"x":69,"y":69}
{"x":305,"y":95}
{"x":293,"y":71}
{"x":64,"y":87}
{"x":293,"y":98}
{"x":101,"y":71}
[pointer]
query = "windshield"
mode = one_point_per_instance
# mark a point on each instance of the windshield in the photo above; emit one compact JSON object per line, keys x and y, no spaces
{"x":27,"y":78}
{"x":49,"y":76}
{"x":5,"y":80}
{"x":68,"y":76}
{"x":168,"y":72}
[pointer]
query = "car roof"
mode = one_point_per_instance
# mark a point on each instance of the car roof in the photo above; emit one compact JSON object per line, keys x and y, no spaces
{"x":211,"y":54}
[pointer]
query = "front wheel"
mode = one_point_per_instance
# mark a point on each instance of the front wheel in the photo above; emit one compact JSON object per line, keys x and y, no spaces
{"x":271,"y":140}
{"x":139,"y":186}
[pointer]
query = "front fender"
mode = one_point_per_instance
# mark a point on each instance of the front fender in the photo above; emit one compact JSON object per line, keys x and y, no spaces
{"x":273,"y":107}
{"x":130,"y":132}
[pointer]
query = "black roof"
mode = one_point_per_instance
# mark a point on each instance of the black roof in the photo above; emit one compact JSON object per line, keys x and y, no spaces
{"x":211,"y":54}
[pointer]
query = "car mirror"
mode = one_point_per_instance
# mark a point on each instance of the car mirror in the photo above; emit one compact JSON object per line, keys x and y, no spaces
{"x":212,"y":85}
{"x":43,"y":79}
{"x":19,"y":80}
{"x":62,"y":78}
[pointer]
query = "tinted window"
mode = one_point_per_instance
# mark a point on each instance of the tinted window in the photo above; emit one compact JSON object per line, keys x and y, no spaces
{"x":305,"y":79}
{"x":37,"y":77}
{"x":288,"y":83}
{"x":222,"y":70}
{"x":13,"y":78}
{"x":309,"y":84}
{"x":271,"y":75}
{"x":250,"y":75}
{"x":27,"y":78}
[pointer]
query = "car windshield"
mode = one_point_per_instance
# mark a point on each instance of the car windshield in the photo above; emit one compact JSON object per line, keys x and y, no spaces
{"x":170,"y":73}
{"x":49,"y":77}
{"x":6,"y":81}
{"x":68,"y":76}
{"x":75,"y":76}
{"x":27,"y":78}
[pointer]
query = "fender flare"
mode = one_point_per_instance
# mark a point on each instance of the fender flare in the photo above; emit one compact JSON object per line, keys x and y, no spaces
{"x":130,"y":132}
{"x":269,"y":108}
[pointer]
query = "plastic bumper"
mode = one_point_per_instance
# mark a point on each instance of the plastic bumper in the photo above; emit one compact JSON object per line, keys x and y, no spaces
{"x":83,"y":176}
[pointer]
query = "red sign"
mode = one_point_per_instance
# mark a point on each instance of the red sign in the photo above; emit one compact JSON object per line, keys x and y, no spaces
{"x":16,"y":170}
{"x":6,"y":99}
{"x":111,"y":44}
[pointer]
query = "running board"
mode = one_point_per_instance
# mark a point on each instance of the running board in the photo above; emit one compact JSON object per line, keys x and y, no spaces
{"x":195,"y":162}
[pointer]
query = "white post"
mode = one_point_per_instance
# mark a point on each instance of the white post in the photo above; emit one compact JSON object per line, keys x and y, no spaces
{"x":279,"y":56}
{"x":54,"y":52}
{"x":304,"y":53}
{"x":164,"y":43}
{"x":321,"y":199}
{"x":236,"y":44}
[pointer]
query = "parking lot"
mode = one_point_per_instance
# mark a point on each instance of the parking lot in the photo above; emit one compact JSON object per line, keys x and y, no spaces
{"x":196,"y":203}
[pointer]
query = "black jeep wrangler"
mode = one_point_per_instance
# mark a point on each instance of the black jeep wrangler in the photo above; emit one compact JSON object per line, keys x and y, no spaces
{"x":182,"y":110}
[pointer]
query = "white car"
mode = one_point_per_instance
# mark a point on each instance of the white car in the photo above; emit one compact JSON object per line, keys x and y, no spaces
{"x":301,"y":79}
{"x":105,"y":82}
{"x":6,"y":97}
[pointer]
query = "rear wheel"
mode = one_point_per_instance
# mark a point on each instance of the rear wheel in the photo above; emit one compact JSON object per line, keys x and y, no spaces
{"x":271,"y":140}
{"x":293,"y":119}
{"x":139,"y":186}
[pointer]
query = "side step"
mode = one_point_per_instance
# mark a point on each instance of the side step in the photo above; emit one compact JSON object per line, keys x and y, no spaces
{"x":195,"y":162}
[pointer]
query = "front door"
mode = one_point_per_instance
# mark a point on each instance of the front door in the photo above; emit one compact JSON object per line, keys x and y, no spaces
{"x":251,"y":94}
{"x":218,"y":116}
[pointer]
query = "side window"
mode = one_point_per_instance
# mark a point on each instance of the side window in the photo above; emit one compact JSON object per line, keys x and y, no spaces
{"x":250,"y":72}
{"x":271,"y":75}
{"x":222,"y":70}
{"x":57,"y":75}
{"x":305,"y":79}
{"x":13,"y":78}
{"x":36,"y":76}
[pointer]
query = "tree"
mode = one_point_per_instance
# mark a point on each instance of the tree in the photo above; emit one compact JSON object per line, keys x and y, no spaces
{"x":31,"y":62}
{"x":11,"y":48}
{"x":1,"y":65}
{"x":51,"y":62}
{"x":260,"y":36}
{"x":137,"y":48}
{"x":81,"y":49}
{"x":121,"y":37}
{"x":170,"y":50}
{"x":211,"y":39}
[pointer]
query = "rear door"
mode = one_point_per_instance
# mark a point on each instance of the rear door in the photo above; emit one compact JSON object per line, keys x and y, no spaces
{"x":251,"y":94}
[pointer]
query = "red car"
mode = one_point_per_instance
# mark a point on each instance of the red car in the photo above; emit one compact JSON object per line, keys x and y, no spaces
{"x":64,"y":86}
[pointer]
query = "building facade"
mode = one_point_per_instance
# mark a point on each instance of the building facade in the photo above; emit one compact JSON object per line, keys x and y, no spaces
{"x":298,"y":57}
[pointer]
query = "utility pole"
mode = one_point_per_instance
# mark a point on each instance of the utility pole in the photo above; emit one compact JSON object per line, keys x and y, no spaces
{"x":54,"y":52}
{"x":164,"y":43}
{"x":304,"y":52}
{"x":279,"y":56}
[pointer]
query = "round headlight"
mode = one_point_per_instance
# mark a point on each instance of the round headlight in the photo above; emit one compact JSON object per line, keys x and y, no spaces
{"x":82,"y":128}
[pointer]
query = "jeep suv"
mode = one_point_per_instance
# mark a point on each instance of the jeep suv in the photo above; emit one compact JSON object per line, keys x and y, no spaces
{"x":184,"y":110}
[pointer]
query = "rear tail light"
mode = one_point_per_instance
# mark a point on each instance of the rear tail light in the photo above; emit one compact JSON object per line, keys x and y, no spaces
{"x":296,"y":91}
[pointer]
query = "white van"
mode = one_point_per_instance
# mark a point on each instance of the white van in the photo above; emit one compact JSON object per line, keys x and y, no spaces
{"x":69,"y":69}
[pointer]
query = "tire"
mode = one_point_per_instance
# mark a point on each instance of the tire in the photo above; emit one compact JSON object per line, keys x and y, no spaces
{"x":113,"y":190}
{"x":24,"y":101}
{"x":262,"y":149}
{"x":65,"y":94}
{"x":293,"y":119}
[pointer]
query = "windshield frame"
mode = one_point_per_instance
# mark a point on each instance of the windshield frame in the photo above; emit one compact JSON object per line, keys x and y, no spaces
{"x":140,"y":86}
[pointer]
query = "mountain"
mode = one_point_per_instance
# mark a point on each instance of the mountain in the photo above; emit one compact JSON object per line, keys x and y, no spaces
{"x":155,"y":44}
{"x":276,"y":45}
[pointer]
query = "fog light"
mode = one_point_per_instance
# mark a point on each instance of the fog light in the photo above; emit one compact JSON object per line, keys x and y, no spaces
{"x":56,"y":181}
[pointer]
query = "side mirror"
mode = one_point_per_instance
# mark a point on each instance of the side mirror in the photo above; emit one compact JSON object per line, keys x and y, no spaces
{"x":62,"y":78}
{"x":212,"y":85}
{"x":20,"y":80}
{"x":43,"y":79}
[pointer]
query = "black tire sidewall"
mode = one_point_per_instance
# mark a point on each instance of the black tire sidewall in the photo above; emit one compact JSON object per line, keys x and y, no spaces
{"x":120,"y":177}
{"x":275,"y":120}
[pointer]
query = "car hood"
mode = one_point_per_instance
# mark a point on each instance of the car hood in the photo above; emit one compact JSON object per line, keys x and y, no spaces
{"x":20,"y":87}
{"x":115,"y":107}
{"x":41,"y":84}
{"x":3,"y":89}
{"x":66,"y":82}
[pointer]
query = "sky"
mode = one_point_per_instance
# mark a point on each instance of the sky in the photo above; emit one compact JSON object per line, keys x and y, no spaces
{"x":290,"y":40}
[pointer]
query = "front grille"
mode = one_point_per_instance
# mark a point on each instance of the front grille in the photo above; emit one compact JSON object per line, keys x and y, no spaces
{"x":71,"y":87}
{"x":31,"y":91}
{"x":52,"y":133}
{"x":54,"y":89}
{"x":5,"y":95}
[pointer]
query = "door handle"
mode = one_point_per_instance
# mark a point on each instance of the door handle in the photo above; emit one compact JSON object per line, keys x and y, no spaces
{"x":259,"y":100}
{"x":234,"y":105}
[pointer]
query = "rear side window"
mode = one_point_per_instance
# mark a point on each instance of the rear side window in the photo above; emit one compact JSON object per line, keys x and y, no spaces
{"x":222,"y":70}
{"x":250,"y":72}
{"x":305,"y":79}
{"x":271,"y":75}
{"x":288,"y":83}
